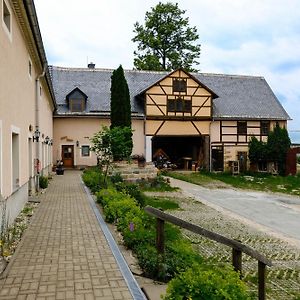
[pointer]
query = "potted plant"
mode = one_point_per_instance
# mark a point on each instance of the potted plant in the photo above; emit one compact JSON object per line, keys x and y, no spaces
{"x":141,"y":161}
{"x":59,"y":168}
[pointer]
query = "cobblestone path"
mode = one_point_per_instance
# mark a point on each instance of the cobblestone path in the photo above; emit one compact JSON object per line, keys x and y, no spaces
{"x":64,"y":254}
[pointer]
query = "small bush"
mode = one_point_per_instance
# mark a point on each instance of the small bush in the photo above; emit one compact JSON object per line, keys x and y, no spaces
{"x":43,"y":182}
{"x":117,"y":210}
{"x":204,"y":282}
{"x":159,"y":183}
{"x":133,"y":191}
{"x":116,"y":178}
{"x":106,"y":196}
{"x":94,"y":179}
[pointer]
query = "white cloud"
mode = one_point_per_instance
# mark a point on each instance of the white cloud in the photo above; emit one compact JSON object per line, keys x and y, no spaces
{"x":257,"y":37}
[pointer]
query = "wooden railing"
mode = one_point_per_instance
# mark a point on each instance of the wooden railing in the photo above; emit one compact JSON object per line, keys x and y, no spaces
{"x":237,"y":247}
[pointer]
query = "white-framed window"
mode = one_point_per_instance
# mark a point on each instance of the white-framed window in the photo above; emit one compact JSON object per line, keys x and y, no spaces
{"x":85,"y":150}
{"x":15,"y":157}
{"x":6,"y":18}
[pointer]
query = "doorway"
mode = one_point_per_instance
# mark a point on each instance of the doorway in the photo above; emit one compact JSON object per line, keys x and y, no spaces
{"x":217,"y":158}
{"x":68,"y":156}
{"x":242,"y":158}
{"x":181,"y":151}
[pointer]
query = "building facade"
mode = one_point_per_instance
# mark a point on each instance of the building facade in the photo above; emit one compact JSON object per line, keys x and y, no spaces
{"x":202,"y":120}
{"x":26,"y":105}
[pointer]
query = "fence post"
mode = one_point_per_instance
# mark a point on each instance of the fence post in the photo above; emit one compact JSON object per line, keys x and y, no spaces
{"x":160,"y":236}
{"x":261,"y":281}
{"x":237,"y":260}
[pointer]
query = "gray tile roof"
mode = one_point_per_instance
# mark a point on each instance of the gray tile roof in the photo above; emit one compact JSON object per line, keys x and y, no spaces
{"x":246,"y":97}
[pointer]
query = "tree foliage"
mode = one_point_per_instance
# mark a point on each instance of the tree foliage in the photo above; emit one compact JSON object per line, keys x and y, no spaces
{"x":278,"y":146}
{"x":120,"y":108}
{"x":274,"y":150}
{"x":112,"y":144}
{"x":257,"y":150}
{"x":166,"y":41}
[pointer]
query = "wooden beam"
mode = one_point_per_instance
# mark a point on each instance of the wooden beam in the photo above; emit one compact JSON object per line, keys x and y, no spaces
{"x":261,"y":281}
{"x":237,"y":260}
{"x":209,"y":234}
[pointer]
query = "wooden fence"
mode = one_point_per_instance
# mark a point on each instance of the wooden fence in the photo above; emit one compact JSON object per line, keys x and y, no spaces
{"x":237,"y":247}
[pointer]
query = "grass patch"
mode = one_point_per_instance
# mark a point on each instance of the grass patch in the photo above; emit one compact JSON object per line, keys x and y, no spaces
{"x":157,"y":184}
{"x":163,"y":203}
{"x":254,"y":181}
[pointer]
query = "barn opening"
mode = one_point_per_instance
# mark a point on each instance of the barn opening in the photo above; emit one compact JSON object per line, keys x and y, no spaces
{"x":186,"y":152}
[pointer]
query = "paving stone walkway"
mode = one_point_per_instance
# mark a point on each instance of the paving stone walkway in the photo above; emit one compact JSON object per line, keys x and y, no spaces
{"x":64,"y":254}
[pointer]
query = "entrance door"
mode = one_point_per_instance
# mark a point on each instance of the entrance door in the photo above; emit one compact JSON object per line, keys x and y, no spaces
{"x":217,"y":158}
{"x":242,"y":158}
{"x":68,"y":156}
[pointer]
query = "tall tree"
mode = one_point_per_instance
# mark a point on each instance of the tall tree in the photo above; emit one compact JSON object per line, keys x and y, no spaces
{"x":120,"y":108}
{"x":277,"y":146}
{"x":120,"y":116}
{"x":166,"y":41}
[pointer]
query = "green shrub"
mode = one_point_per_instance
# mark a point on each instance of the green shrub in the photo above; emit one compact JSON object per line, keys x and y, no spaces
{"x":94,"y":179}
{"x":180,"y":255}
{"x":116,"y":210}
{"x":116,"y":178}
{"x":105,"y":196}
{"x":147,"y":257}
{"x":43,"y":182}
{"x":158,"y":183}
{"x":208,"y":283}
{"x":132,"y":190}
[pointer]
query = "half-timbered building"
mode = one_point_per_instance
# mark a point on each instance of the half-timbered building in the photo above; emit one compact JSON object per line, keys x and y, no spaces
{"x":197,"y":120}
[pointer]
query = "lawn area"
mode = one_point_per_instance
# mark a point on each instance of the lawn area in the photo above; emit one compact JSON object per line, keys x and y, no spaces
{"x":164,"y":203}
{"x":256,"y":181}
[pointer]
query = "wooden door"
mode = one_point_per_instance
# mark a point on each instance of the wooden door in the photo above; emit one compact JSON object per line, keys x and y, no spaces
{"x":242,"y":158}
{"x":68,"y":156}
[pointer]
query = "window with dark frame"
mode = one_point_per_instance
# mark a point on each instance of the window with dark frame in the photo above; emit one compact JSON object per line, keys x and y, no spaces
{"x":179,"y":105}
{"x":242,"y":128}
{"x":179,"y":85}
{"x":85,"y":150}
{"x":264,"y":127}
{"x":76,"y":105}
{"x":6,"y":16}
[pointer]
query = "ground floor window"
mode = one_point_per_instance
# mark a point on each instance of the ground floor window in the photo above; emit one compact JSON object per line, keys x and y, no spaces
{"x":85,"y":150}
{"x":15,"y":161}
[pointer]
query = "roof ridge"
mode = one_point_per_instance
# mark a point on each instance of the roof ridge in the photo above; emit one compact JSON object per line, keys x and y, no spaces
{"x":227,"y":75}
{"x":153,"y":72}
{"x":105,"y":69}
{"x":80,"y":68}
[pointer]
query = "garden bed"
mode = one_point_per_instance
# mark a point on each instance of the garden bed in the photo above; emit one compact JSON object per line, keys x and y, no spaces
{"x":11,"y":236}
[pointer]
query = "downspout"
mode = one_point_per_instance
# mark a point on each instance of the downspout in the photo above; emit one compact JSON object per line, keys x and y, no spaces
{"x":37,"y":127}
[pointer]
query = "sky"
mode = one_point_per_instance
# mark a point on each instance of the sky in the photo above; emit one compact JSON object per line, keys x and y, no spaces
{"x":244,"y":37}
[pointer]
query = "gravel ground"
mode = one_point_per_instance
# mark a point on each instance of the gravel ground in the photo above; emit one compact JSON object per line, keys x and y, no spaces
{"x":283,"y":279}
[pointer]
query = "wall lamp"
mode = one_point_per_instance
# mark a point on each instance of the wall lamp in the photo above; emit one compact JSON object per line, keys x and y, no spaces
{"x":77,"y":143}
{"x":36,"y":135}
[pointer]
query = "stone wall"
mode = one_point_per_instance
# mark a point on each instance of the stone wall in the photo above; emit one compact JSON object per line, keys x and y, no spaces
{"x":131,"y":172}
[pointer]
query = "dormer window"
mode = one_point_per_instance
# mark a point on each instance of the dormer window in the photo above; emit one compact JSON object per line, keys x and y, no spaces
{"x":179,"y":85}
{"x":77,"y":105}
{"x":77,"y":100}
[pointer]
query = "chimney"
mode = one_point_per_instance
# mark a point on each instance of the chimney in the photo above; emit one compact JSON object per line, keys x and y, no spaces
{"x":91,"y":65}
